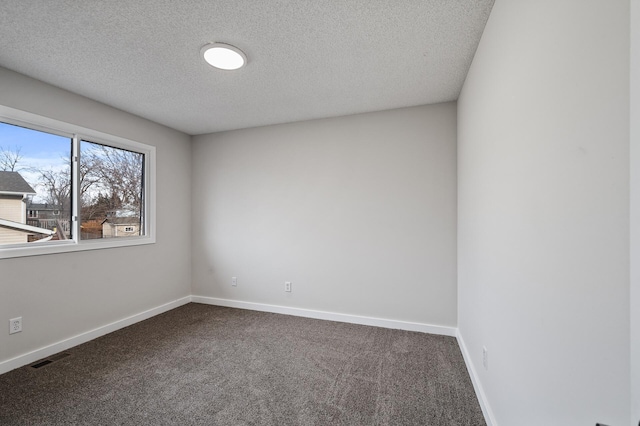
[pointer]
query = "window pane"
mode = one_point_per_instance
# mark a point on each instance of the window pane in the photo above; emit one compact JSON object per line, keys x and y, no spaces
{"x":35,"y":186}
{"x":111,"y":192}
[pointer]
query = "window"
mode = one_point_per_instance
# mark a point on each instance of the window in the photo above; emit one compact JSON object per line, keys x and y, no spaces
{"x":112,"y":191}
{"x":67,"y":188}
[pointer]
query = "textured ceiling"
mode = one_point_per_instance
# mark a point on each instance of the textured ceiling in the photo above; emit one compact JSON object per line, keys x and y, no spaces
{"x":307,"y":58}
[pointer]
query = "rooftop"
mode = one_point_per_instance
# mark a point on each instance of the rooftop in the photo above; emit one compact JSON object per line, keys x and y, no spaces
{"x":14,"y":183}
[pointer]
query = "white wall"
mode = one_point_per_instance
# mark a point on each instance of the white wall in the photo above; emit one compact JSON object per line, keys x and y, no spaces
{"x":543,"y":235}
{"x":358,"y":212}
{"x":63,"y":295}
{"x":635,"y":212}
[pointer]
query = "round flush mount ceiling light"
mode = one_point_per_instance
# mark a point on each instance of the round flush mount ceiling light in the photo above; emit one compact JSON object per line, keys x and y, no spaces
{"x":223,"y":56}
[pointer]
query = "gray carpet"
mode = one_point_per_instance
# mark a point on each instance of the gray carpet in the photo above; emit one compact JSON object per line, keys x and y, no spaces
{"x":207,"y":365}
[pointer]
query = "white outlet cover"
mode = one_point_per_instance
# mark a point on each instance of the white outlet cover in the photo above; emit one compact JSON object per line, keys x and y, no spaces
{"x":287,"y":286}
{"x":15,"y":325}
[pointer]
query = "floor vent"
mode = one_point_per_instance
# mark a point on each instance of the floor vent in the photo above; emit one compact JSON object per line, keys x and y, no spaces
{"x":50,"y":360}
{"x":41,"y":363}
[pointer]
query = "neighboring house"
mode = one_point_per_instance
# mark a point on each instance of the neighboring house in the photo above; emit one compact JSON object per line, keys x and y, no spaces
{"x":43,"y":211}
{"x":14,"y":191}
{"x":120,"y":227}
{"x":49,"y":216}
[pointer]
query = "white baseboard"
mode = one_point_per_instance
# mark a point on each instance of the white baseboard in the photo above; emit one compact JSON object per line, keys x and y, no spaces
{"x":63,"y":345}
{"x":330,"y":316}
{"x":482,"y":398}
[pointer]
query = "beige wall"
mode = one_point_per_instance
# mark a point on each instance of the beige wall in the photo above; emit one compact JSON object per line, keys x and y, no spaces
{"x":358,"y":212}
{"x":110,"y":230}
{"x":11,"y":236}
{"x":12,"y":209}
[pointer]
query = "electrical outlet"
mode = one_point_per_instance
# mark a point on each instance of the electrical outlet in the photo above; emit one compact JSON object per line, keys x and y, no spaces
{"x":287,"y":286}
{"x":485,"y":358}
{"x":234,"y":281}
{"x":15,"y":325}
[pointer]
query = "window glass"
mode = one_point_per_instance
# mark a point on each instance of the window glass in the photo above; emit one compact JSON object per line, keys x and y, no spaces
{"x":66,"y":188}
{"x":111,"y":191}
{"x":35,"y":182}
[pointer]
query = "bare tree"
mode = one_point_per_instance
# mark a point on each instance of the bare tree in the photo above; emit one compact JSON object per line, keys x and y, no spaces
{"x":9,"y":159}
{"x":57,"y":187}
{"x":88,"y":179}
{"x":116,"y":174}
{"x":110,"y":181}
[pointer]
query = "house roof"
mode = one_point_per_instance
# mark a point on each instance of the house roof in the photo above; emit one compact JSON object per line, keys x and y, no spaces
{"x":122,"y":220}
{"x":40,"y":206}
{"x":14,"y":183}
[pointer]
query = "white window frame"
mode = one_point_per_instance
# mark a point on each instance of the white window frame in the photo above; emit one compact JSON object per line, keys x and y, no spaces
{"x":78,"y":133}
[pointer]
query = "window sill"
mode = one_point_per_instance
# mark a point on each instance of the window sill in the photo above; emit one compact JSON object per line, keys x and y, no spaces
{"x":71,"y":246}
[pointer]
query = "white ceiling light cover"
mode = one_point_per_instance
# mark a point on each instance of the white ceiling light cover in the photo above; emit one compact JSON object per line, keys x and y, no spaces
{"x":223,"y":56}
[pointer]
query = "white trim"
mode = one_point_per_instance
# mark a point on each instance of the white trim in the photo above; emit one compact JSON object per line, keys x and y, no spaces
{"x":489,"y":418}
{"x":38,"y":248}
{"x":330,"y":316}
{"x":65,"y":344}
{"x":24,"y":227}
{"x":17,"y":193}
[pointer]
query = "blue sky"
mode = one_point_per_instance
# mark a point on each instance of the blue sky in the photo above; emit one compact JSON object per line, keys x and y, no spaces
{"x":34,"y":144}
{"x":39,"y":150}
